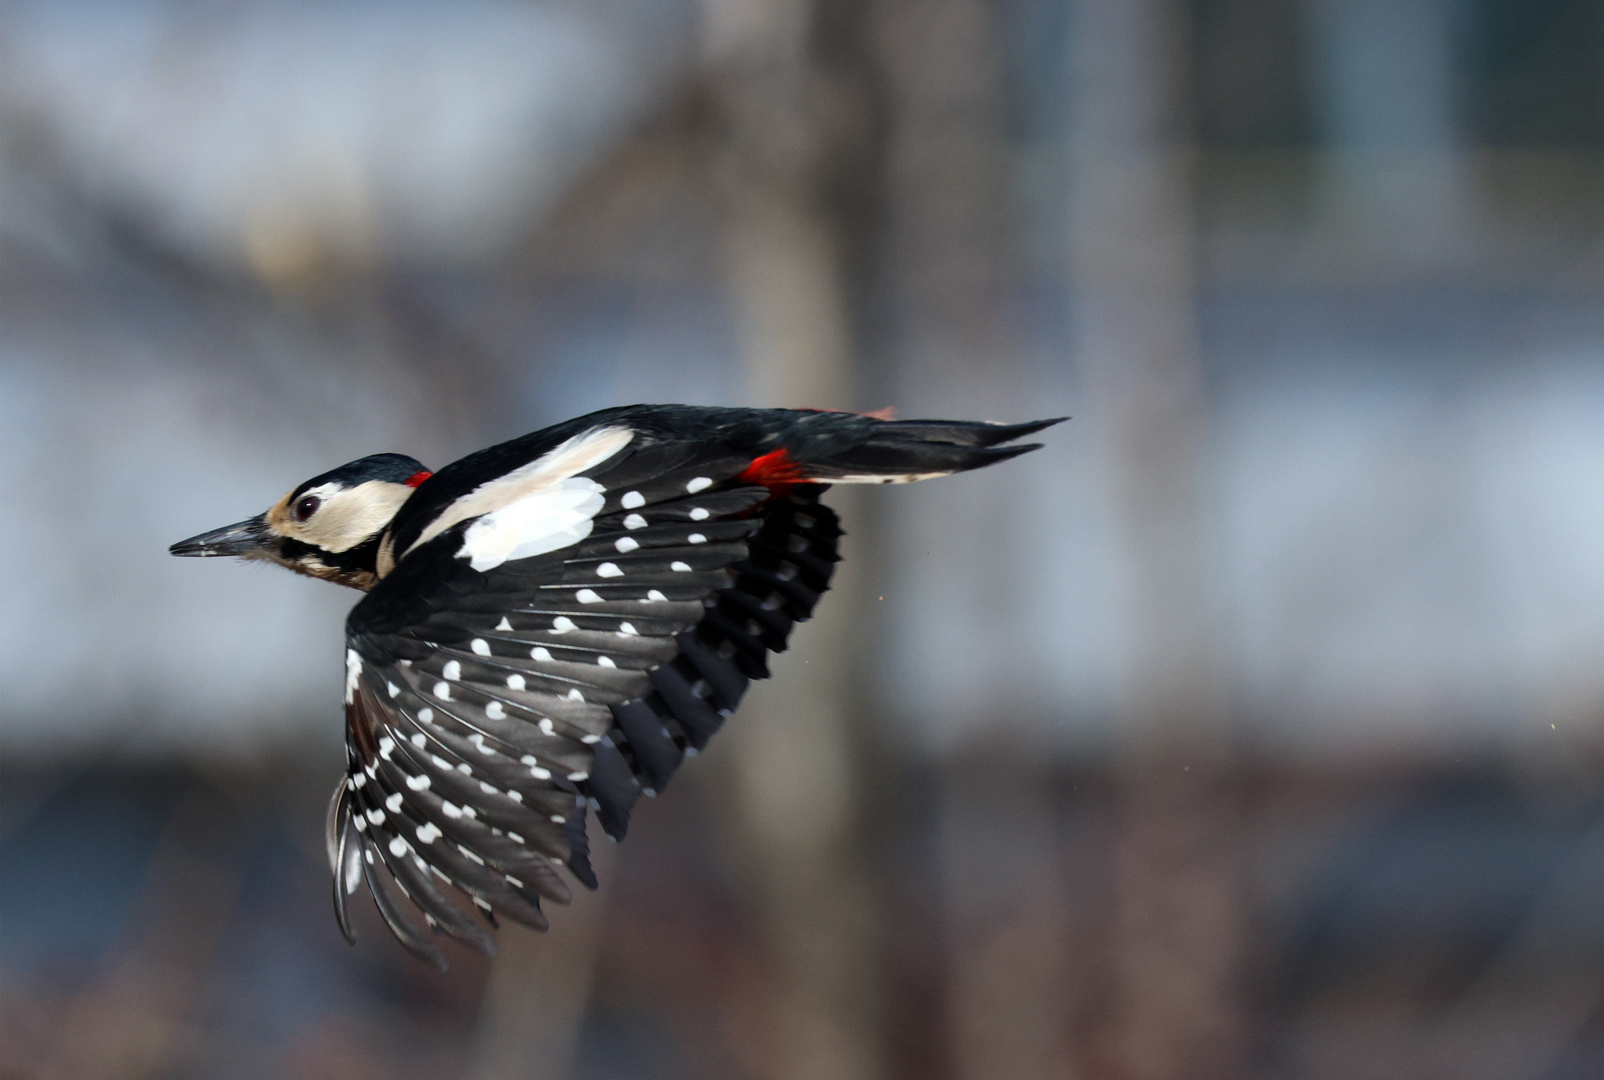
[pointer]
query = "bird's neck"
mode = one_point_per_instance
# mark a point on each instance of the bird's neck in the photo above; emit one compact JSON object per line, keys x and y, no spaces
{"x":355,"y":567}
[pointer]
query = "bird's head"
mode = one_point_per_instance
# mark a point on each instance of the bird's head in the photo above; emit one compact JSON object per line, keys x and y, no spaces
{"x":329,"y":527}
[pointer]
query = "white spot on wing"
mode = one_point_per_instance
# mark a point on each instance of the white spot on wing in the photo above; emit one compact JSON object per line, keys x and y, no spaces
{"x":418,"y":783}
{"x":680,"y":567}
{"x":605,"y":661}
{"x":428,"y":833}
{"x":392,"y":688}
{"x":656,"y":596}
{"x":398,"y":847}
{"x":442,"y":691}
{"x":609,"y":569}
{"x":393,"y":803}
{"x":697,"y":538}
{"x":504,"y":624}
{"x":451,"y":810}
{"x":562,"y":624}
{"x":627,"y":630}
{"x":353,"y":674}
{"x":539,"y":652}
{"x":516,"y":682}
{"x":699,"y":513}
{"x":575,"y":695}
{"x":588,"y":596}
{"x":634,"y":521}
{"x":425,"y":714}
{"x":480,"y":646}
{"x":495,"y":711}
{"x":452,"y":671}
{"x":699,"y":483}
{"x":626,"y":544}
{"x":632,"y":500}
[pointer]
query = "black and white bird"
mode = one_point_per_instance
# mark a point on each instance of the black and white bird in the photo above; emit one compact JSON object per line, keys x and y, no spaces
{"x":552,"y":624}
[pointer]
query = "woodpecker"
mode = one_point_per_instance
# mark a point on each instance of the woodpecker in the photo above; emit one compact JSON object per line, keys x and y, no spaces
{"x":551,"y":625}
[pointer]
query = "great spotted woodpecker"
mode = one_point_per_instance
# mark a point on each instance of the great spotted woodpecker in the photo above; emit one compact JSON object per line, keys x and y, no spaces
{"x":552,"y":624}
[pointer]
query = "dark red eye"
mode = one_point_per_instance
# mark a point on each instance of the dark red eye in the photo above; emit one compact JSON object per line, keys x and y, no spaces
{"x":307,"y":507}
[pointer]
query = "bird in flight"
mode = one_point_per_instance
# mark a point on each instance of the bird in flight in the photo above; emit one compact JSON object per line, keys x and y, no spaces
{"x":553,"y":623}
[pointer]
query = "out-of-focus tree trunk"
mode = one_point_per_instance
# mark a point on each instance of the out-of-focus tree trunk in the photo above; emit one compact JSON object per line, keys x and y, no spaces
{"x":785,"y":77}
{"x":1172,"y":1006}
{"x":954,"y":269}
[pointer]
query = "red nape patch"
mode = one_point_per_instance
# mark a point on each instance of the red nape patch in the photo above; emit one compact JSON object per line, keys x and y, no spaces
{"x":417,"y":478}
{"x":775,"y":471}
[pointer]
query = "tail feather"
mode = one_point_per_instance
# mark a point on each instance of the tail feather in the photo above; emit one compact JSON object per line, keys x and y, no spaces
{"x":902,"y":451}
{"x":966,"y":432}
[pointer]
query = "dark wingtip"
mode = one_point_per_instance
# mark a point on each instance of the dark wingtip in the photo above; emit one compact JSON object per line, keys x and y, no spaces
{"x":579,"y":866}
{"x":412,"y":939}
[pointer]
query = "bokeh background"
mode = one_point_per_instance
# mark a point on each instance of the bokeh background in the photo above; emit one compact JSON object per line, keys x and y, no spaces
{"x":1253,"y":728}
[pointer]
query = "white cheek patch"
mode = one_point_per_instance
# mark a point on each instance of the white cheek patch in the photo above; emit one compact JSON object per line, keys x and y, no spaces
{"x":543,"y":521}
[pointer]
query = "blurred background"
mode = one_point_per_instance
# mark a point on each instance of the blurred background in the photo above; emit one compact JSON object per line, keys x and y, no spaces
{"x":1250,"y":729}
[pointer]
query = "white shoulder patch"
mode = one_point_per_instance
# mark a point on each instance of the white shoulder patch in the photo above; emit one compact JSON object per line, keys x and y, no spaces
{"x":548,"y":474}
{"x":547,"y":520}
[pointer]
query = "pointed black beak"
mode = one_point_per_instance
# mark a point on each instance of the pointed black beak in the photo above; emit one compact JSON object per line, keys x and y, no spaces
{"x":244,"y":538}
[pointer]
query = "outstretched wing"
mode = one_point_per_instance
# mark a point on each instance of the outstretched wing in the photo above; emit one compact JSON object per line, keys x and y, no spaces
{"x":492,"y":704}
{"x":565,"y":617}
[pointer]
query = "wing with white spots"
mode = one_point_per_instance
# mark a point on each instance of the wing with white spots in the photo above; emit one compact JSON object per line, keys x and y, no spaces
{"x":495,"y":697}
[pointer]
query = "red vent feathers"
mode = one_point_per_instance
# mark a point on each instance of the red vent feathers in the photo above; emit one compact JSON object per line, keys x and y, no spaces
{"x":776,"y":471}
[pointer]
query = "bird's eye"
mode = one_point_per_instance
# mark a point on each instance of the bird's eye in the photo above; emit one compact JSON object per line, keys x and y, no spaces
{"x":307,"y":507}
